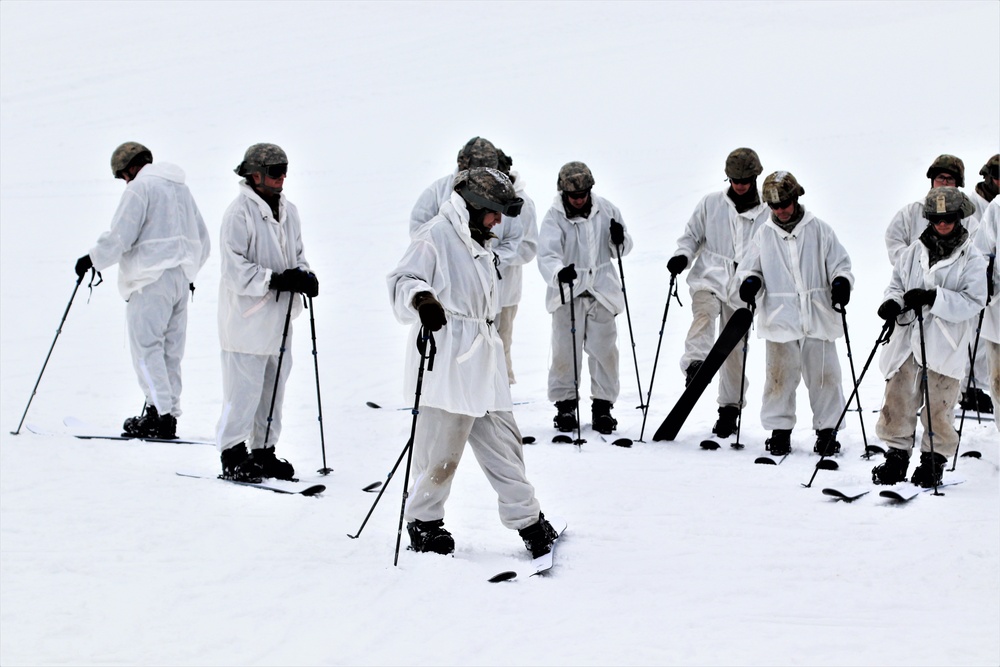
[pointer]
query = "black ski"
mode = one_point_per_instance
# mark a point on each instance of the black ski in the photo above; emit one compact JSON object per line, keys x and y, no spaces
{"x":539,"y":565}
{"x":175,"y":441}
{"x":848,"y":496}
{"x":290,"y":487}
{"x":729,"y":338}
{"x":904,"y":493}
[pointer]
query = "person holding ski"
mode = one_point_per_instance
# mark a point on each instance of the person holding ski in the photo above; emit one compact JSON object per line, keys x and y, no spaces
{"x":805,"y":273}
{"x":713,"y":244}
{"x":516,"y":245}
{"x":579,"y":240}
{"x":942,"y":277}
{"x":264,"y":269}
{"x":907,"y":226}
{"x":160,"y":242}
{"x":445,"y":285}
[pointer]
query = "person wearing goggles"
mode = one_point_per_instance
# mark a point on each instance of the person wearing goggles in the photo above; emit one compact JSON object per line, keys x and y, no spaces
{"x":579,"y":242}
{"x":160,"y":242}
{"x":941,"y":275}
{"x":713,"y":244}
{"x":264,"y":269}
{"x":805,"y":275}
{"x":446,"y":287}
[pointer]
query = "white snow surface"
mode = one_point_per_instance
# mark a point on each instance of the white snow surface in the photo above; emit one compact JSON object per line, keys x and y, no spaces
{"x":674,"y":555}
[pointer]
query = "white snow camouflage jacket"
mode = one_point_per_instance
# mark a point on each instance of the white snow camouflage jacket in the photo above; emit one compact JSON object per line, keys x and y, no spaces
{"x":960,"y":281}
{"x":987,"y":241}
{"x":157,"y":227}
{"x":586,"y":243}
{"x":715,"y":240}
{"x":516,"y":245}
{"x":470,"y":373}
{"x":253,"y":246}
{"x":797,"y":269}
{"x":430,"y":200}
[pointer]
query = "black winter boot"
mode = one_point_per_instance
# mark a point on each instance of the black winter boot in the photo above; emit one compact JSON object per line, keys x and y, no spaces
{"x":565,"y":419}
{"x":691,"y":371}
{"x":430,"y":536}
{"x":238,"y":466}
{"x":141,"y":425}
{"x":600,"y":411}
{"x":928,"y":474}
{"x":780,"y":442}
{"x":271,"y":465}
{"x":726,"y":424}
{"x":826,"y":442}
{"x":976,"y":400}
{"x":538,"y":537}
{"x":894,"y":468}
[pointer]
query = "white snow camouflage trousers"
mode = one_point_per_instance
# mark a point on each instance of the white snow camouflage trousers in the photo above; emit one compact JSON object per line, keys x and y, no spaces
{"x":816,"y":362}
{"x":157,"y":329}
{"x":706,"y":310}
{"x":505,"y":328}
{"x":904,"y":396}
{"x":993,"y":356}
{"x":597,"y":335}
{"x":438,"y":444}
{"x":248,"y":381}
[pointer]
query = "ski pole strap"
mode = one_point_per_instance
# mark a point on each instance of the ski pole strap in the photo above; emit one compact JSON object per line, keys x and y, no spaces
{"x":94,"y":275}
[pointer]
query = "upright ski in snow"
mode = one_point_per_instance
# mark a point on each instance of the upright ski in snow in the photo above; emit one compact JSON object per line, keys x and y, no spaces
{"x":729,"y":338}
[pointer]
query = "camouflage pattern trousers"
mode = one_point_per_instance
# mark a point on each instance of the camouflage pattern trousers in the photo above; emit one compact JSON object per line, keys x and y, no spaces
{"x":904,"y":396}
{"x":495,"y":440}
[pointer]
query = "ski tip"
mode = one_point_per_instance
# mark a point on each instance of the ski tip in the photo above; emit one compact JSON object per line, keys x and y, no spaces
{"x":313,"y":490}
{"x":564,"y":439}
{"x":372,"y":404}
{"x":709,"y":444}
{"x":528,"y":440}
{"x":371,"y":488}
{"x":874,"y":449}
{"x":763,"y":460}
{"x":503,"y":576}
{"x":827,"y":464}
{"x":622,"y":442}
{"x":972,"y":455}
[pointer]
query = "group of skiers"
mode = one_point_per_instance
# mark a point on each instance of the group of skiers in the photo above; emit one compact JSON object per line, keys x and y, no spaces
{"x":459,"y":284}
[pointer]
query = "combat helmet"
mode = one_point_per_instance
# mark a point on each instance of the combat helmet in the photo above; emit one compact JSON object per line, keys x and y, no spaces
{"x":947,"y":202}
{"x":743,"y":163}
{"x":574,"y":177}
{"x":260,"y":156}
{"x":950,"y":164}
{"x":122,"y":157}
{"x":781,"y":186}
{"x":477,"y":152}
{"x":992,"y":167}
{"x":490,"y":189}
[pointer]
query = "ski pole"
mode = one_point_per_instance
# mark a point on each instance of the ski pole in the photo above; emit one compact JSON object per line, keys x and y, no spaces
{"x":882,"y":339}
{"x":47,"y":356}
{"x":671,"y":294}
{"x":281,"y":356}
{"x":970,"y":386}
{"x":427,"y":348}
{"x":319,"y":398}
{"x":927,"y":391}
{"x":743,"y":384}
{"x":857,"y":395}
{"x":628,"y":318}
{"x":576,"y":372}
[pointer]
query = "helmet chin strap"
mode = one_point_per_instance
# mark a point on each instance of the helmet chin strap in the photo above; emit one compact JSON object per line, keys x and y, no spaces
{"x":266,"y":189}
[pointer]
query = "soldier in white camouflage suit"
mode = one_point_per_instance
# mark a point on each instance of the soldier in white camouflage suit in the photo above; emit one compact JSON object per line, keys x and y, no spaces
{"x":944,"y":276}
{"x":713,"y":244}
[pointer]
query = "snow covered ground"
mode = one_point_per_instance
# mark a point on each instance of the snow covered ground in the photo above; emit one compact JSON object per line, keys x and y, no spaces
{"x":674,"y":555}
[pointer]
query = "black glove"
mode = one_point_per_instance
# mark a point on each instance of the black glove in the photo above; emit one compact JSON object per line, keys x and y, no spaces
{"x":749,"y":289}
{"x":567,"y":274}
{"x":617,"y":232}
{"x":430,"y":310}
{"x":918,"y":298}
{"x":284,"y":281}
{"x":840,"y":291}
{"x":677,"y":264}
{"x":309,"y":284}
{"x":889,"y":310}
{"x":83,"y":265}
